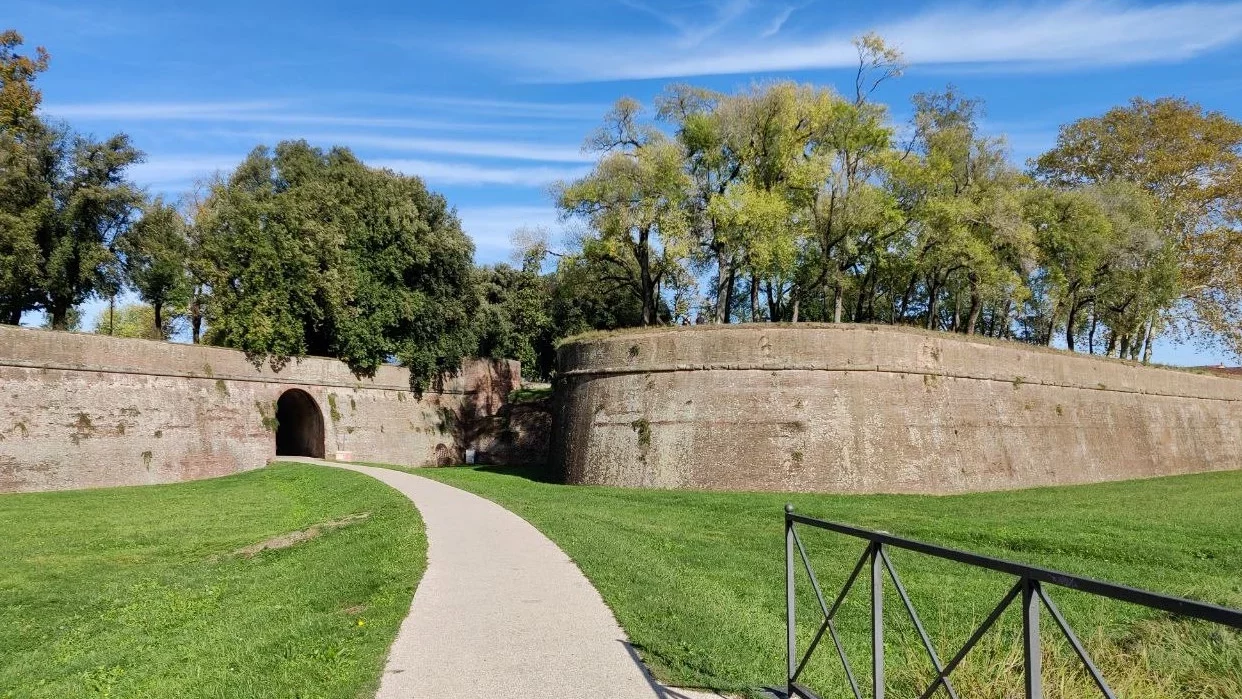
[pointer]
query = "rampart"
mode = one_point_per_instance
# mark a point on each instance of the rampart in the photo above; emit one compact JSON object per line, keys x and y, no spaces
{"x":865,"y":409}
{"x":81,"y":410}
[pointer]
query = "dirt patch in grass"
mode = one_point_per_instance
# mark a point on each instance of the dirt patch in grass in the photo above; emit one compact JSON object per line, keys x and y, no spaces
{"x":284,"y":541}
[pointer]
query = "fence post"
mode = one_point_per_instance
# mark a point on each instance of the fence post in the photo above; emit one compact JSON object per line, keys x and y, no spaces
{"x":877,"y":621}
{"x":790,"y":621}
{"x":1031,"y":651}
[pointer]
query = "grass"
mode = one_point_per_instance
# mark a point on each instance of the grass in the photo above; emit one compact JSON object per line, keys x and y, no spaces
{"x":530,"y":394}
{"x":696,"y":578}
{"x":145,"y":592}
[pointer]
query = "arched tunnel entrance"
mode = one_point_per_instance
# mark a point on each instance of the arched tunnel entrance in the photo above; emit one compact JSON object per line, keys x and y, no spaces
{"x":299,"y":425}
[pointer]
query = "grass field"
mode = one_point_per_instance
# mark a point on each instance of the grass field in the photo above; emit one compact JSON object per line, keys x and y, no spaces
{"x":696,"y":578}
{"x":158,"y":591}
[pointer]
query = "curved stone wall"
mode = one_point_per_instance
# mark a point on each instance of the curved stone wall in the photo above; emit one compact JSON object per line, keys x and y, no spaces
{"x":866,"y":409}
{"x":81,"y":410}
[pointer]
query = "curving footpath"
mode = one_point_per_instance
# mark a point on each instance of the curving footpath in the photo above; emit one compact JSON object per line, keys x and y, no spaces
{"x":502,"y":612}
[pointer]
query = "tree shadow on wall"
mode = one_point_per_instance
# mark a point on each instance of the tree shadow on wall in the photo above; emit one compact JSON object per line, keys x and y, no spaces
{"x":500,"y":431}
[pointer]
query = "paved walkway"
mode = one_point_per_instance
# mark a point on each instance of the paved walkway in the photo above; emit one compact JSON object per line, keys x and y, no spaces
{"x":502,"y":612}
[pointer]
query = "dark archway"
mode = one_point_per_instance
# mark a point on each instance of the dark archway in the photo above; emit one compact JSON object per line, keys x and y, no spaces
{"x":299,"y":425}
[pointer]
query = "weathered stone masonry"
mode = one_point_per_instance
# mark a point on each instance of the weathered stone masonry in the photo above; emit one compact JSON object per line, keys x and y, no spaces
{"x":79,"y":411}
{"x":861,"y":409}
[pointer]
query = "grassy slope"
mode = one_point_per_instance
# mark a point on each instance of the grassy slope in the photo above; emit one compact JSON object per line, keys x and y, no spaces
{"x":133,"y":592}
{"x":696,"y":578}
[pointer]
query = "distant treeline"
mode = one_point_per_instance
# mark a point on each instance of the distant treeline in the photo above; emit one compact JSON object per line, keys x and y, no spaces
{"x":782,"y":202}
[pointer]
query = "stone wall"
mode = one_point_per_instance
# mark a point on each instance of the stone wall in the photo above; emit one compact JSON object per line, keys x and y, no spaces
{"x":864,"y":409}
{"x":81,"y":410}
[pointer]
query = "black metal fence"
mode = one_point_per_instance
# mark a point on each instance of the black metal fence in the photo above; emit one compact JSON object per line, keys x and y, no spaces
{"x":1029,"y":586}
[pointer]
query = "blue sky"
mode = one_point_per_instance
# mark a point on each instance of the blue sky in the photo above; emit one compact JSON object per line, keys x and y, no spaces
{"x":490,"y":101}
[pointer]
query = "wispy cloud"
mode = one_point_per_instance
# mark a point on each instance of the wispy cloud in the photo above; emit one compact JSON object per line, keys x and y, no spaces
{"x":533,"y":151}
{"x":456,"y":173}
{"x":164,"y":110}
{"x":776,"y":23}
{"x":173,"y":172}
{"x":492,"y":227}
{"x":1053,"y":36}
{"x":283,"y":113}
{"x":507,"y":150}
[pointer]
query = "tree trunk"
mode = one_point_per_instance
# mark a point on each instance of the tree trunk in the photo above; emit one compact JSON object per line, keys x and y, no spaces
{"x":159,"y":319}
{"x":1111,"y":345}
{"x":754,"y":298}
{"x":1125,"y":347}
{"x":933,"y":304}
{"x":1151,"y":338}
{"x":1091,"y":333}
{"x":797,"y":302}
{"x":976,"y":306}
{"x":838,"y":302}
{"x":861,"y":306}
{"x":905,"y":298}
{"x":724,"y":284}
{"x":1003,"y":330}
{"x":644,"y":272}
{"x":1069,"y":324}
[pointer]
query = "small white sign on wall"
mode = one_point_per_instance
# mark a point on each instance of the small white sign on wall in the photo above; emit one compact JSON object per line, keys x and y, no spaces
{"x":470,"y":455}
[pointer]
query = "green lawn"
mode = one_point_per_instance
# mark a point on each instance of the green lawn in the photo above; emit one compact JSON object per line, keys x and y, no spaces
{"x":696,"y":578}
{"x":140,"y":592}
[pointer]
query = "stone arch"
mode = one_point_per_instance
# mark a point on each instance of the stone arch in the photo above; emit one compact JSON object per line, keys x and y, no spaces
{"x":299,"y":425}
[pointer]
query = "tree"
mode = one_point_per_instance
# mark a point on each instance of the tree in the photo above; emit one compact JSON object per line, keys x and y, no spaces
{"x":514,"y":318}
{"x":154,"y":253}
{"x":130,"y":320}
{"x":93,"y":204}
{"x":1190,"y":160}
{"x":855,"y":219}
{"x":633,"y":201}
{"x":313,"y":252}
{"x":18,"y":97}
{"x":27,"y":163}
{"x":961,"y":199}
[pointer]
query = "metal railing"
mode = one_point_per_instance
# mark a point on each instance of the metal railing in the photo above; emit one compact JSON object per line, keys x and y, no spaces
{"x":1029,"y":586}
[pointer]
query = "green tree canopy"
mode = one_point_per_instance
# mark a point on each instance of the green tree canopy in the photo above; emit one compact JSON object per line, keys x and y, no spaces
{"x":312,"y":252}
{"x":154,"y":253}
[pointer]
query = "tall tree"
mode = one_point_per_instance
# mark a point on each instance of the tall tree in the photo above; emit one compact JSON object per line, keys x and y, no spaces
{"x":853,"y":216}
{"x":313,"y":252}
{"x":633,"y":201}
{"x":94,"y":203}
{"x":962,"y":200}
{"x":28,"y":161}
{"x":1190,"y":160}
{"x":154,"y":254}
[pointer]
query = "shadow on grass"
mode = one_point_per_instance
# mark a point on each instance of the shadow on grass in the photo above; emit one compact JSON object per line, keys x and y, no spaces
{"x":539,"y":473}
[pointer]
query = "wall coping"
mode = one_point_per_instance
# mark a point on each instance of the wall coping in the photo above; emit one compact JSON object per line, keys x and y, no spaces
{"x":849,"y":347}
{"x":38,"y":349}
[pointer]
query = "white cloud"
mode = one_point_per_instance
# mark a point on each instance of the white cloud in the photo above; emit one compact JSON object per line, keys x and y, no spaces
{"x":777,"y":22}
{"x":1070,"y":34}
{"x":511,"y":150}
{"x":364,"y":110}
{"x":248,"y":113}
{"x":163,"y":110}
{"x":440,"y":172}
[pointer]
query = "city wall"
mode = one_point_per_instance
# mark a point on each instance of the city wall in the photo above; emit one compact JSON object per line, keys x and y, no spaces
{"x":81,"y":410}
{"x":868,"y":409}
